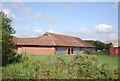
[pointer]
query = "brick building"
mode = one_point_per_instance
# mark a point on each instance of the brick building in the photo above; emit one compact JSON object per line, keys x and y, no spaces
{"x":52,"y":44}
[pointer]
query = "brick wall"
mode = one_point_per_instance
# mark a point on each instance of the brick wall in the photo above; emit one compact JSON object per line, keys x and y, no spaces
{"x":115,"y":51}
{"x":39,"y":50}
{"x":19,"y":49}
{"x":15,"y":50}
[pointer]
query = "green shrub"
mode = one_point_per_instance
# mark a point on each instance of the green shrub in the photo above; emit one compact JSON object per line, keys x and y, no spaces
{"x":76,"y":67}
{"x":105,"y":52}
{"x":87,"y":51}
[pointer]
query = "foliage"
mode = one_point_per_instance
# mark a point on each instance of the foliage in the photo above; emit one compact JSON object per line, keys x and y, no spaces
{"x":87,"y":51}
{"x":105,"y":52}
{"x":59,"y":67}
{"x":8,"y":56}
{"x":101,"y":46}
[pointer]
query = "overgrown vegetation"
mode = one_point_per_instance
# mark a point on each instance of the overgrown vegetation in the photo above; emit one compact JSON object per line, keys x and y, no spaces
{"x":8,"y":56}
{"x":87,"y":51}
{"x":102,"y":47}
{"x":105,"y":52}
{"x":59,"y":67}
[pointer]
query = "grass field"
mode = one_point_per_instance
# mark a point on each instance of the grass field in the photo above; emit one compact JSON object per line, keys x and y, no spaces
{"x":36,"y":65}
{"x":112,"y":60}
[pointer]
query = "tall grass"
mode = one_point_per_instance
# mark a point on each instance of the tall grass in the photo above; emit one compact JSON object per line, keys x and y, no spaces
{"x":59,"y":67}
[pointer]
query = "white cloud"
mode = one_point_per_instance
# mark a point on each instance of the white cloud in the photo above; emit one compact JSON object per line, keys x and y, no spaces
{"x":38,"y":31}
{"x":98,"y":32}
{"x":17,"y":5}
{"x":26,"y":10}
{"x":51,"y":31}
{"x":21,"y":20}
{"x":46,"y":18}
{"x":1,"y":5}
{"x":38,"y":16}
{"x":28,"y":33}
{"x":103,"y":28}
{"x":52,"y":20}
{"x":20,"y":6}
{"x":116,"y":5}
{"x":9,"y":13}
{"x":113,"y":36}
{"x":13,"y":17}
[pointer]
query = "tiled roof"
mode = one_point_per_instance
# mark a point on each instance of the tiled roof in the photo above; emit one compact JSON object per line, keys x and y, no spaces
{"x":51,"y":39}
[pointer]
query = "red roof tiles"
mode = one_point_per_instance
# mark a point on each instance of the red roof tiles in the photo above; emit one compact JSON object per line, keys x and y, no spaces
{"x":50,"y":39}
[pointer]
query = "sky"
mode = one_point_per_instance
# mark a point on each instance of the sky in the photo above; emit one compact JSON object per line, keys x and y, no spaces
{"x":86,"y":20}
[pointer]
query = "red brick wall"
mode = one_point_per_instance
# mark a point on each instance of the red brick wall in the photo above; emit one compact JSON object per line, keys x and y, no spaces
{"x":39,"y":50}
{"x":18,"y":49}
{"x":115,"y":51}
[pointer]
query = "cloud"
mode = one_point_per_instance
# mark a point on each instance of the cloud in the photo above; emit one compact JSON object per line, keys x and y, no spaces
{"x":52,"y":20}
{"x":28,"y":32}
{"x":9,"y":13}
{"x":1,"y":5}
{"x":51,"y":31}
{"x":17,"y":5}
{"x":26,"y":10}
{"x":103,"y":28}
{"x":20,"y":6}
{"x":13,"y":17}
{"x":46,"y":18}
{"x":116,"y":5}
{"x":100,"y":32}
{"x":38,"y":16}
{"x":21,"y":20}
{"x":38,"y":31}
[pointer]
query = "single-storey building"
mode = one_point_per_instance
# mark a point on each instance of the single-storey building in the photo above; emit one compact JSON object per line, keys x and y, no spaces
{"x":52,"y":44}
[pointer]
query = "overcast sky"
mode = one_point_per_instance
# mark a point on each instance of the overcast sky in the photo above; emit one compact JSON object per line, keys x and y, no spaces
{"x":87,"y":20}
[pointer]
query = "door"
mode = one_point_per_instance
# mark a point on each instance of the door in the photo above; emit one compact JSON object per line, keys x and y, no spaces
{"x":70,"y":51}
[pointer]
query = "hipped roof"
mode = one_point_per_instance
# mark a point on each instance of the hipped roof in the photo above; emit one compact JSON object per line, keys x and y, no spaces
{"x":51,"y":39}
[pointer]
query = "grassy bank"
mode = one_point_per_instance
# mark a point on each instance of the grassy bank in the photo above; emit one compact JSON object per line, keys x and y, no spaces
{"x":62,"y":67}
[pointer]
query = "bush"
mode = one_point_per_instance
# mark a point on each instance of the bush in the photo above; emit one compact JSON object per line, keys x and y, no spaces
{"x":105,"y":52}
{"x":77,"y":67}
{"x":87,"y":51}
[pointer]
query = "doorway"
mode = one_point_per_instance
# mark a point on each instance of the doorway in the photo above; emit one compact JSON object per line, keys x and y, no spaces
{"x":70,"y":51}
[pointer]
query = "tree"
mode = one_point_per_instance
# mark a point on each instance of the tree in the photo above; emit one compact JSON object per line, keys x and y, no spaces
{"x":8,"y":56}
{"x":107,"y":46}
{"x":101,"y":46}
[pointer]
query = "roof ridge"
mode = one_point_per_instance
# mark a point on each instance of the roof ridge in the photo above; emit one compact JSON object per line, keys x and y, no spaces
{"x":62,"y":35}
{"x":29,"y":37}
